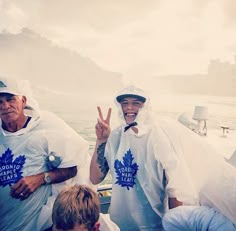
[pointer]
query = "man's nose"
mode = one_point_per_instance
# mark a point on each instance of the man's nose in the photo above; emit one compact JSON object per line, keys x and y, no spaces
{"x":130,"y":105}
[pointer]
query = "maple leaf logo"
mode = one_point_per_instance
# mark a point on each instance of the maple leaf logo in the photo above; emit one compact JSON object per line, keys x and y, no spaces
{"x":10,"y":171}
{"x":126,"y":171}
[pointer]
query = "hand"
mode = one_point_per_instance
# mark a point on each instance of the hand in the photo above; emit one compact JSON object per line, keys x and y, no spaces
{"x":26,"y":186}
{"x":103,"y":126}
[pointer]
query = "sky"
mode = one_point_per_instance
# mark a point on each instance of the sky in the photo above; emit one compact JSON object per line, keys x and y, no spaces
{"x":137,"y":38}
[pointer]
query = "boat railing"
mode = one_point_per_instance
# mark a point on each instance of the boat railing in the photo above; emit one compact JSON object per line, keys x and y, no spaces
{"x":104,"y":193}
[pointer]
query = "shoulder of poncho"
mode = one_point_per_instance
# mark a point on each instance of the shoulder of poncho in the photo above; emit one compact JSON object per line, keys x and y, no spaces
{"x":116,"y":132}
{"x":51,"y":121}
{"x":165,"y":130}
{"x":168,"y":125}
{"x":118,"y":129}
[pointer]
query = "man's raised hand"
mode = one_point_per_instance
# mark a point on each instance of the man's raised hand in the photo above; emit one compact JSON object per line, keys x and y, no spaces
{"x":103,"y":125}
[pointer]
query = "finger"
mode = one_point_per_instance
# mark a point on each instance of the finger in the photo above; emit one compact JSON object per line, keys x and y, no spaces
{"x":24,"y":195}
{"x":17,"y":192}
{"x":102,"y":124}
{"x":100,"y":113}
{"x":99,"y":123}
{"x":16,"y":185}
{"x":108,"y":116}
{"x":16,"y":189}
{"x":98,"y":126}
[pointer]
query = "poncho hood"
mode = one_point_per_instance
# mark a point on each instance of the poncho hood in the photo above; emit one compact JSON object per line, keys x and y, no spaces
{"x":21,"y":87}
{"x":144,"y":118}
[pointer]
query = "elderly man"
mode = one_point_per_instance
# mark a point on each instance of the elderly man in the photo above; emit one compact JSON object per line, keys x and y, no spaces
{"x":29,"y":140}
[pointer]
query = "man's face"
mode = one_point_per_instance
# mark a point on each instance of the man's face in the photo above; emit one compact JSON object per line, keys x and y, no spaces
{"x":11,"y":107}
{"x":130,"y":107}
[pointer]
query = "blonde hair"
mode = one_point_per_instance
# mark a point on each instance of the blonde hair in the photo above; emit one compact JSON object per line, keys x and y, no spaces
{"x":76,"y":205}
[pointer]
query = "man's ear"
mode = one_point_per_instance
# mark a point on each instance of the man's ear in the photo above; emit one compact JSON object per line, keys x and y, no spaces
{"x":96,"y":226}
{"x":24,"y":100}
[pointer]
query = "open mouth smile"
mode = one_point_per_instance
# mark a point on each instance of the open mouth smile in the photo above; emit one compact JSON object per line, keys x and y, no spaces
{"x":130,"y":115}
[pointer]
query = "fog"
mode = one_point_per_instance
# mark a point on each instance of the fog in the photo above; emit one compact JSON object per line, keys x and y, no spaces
{"x":133,"y":37}
{"x":85,"y":51}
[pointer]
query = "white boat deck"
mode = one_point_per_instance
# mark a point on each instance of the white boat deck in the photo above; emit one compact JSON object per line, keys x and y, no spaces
{"x":225,"y":144}
{"x":222,"y":137}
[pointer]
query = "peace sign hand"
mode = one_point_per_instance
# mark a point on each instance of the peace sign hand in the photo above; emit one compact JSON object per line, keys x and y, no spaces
{"x":103,"y":126}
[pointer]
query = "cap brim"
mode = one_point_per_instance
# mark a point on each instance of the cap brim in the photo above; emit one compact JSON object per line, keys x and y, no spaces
{"x":9,"y":92}
{"x":119,"y":98}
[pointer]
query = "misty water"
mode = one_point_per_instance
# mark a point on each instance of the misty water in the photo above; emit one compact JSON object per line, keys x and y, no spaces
{"x":80,"y":113}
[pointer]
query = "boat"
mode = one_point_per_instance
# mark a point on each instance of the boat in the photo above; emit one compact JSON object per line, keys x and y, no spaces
{"x":221,"y":136}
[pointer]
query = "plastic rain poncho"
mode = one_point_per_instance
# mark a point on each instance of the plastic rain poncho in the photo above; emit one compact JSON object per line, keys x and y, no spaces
{"x":214,"y":179}
{"x":24,"y":153}
{"x":146,"y":169}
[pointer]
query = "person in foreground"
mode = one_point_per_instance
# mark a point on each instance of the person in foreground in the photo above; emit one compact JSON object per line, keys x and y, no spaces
{"x":76,"y":208}
{"x":29,"y":139}
{"x":196,"y":218}
{"x":145,"y":168}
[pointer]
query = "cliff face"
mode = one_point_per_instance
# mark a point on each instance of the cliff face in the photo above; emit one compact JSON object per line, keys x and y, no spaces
{"x":220,"y":82}
{"x":28,"y":55}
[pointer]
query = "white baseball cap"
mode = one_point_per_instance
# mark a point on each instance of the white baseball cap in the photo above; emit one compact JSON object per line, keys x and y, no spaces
{"x":131,"y":91}
{"x":19,"y":87}
{"x":14,"y":86}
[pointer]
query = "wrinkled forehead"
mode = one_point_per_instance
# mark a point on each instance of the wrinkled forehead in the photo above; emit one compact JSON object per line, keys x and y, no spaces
{"x":9,"y":96}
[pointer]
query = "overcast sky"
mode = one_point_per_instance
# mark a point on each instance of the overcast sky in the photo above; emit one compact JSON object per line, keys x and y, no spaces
{"x":135,"y":37}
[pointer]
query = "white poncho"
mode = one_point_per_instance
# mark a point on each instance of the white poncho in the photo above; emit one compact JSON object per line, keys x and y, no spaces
{"x":24,"y":153}
{"x":145,"y":169}
{"x":214,"y":179}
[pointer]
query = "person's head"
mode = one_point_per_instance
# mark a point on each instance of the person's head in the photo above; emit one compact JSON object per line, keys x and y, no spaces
{"x":131,"y":100}
{"x":12,"y":102}
{"x":76,"y":208}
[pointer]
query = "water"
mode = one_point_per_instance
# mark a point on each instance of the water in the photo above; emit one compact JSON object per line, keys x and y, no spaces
{"x":81,"y":114}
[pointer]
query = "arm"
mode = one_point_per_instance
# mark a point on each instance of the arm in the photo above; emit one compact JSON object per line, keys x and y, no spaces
{"x":98,"y":166}
{"x":29,"y":184}
{"x":173,"y":202}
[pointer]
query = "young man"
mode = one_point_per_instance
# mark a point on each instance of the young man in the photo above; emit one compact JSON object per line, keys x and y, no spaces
{"x":144,"y":166}
{"x":28,"y":140}
{"x":76,"y":208}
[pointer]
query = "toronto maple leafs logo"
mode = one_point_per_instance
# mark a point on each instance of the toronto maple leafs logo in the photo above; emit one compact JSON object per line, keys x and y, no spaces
{"x":10,"y":171}
{"x":126,"y":171}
